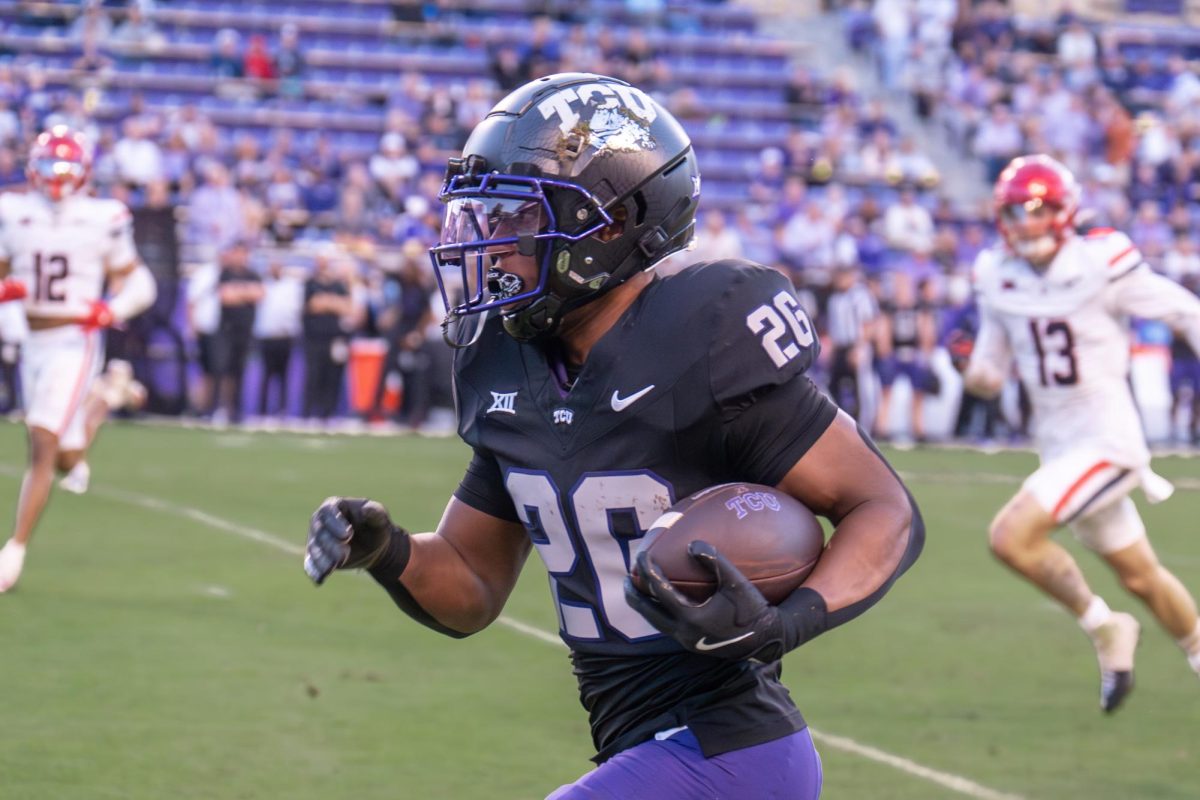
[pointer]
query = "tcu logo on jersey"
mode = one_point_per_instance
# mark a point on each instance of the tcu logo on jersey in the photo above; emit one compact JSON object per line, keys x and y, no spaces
{"x":602,"y":96}
{"x":743,"y":504}
{"x":563,"y":416}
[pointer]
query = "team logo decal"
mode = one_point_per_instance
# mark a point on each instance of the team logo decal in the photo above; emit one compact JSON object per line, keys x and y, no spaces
{"x":563,"y":416}
{"x":604,"y":116}
{"x":503,"y":403}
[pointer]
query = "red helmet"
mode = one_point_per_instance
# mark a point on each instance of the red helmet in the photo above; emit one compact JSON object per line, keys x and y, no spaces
{"x":1028,"y":185}
{"x":59,"y":162}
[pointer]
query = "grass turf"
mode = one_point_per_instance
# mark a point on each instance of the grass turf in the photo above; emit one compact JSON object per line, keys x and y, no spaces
{"x":149,"y":652}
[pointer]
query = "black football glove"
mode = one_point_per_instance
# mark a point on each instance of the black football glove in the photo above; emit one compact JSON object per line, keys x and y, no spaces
{"x":736,"y":623}
{"x":353,"y":533}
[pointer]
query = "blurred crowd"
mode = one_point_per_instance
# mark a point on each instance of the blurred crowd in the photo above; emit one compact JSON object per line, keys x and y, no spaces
{"x":292,"y":238}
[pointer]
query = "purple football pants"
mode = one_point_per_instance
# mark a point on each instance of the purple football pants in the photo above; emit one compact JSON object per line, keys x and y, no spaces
{"x":675,"y":769}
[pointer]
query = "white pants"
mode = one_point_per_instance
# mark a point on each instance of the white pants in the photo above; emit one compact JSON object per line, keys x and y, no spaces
{"x":57,"y":369}
{"x":1089,"y":493}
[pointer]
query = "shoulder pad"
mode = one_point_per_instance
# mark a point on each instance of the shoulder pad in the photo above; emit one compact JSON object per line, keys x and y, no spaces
{"x":10,"y":202}
{"x":985,"y":271}
{"x":761,"y":335}
{"x":1112,"y":252}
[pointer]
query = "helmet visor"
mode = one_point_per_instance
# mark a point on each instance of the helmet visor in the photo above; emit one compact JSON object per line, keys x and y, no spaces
{"x":1033,"y":211}
{"x":54,"y":169}
{"x":498,"y":222}
{"x":494,"y":216}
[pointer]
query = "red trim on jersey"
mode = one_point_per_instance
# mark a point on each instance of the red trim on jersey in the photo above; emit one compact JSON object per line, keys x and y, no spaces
{"x":1077,"y":485}
{"x":1097,"y":233}
{"x":1112,"y":262}
{"x":80,"y":381}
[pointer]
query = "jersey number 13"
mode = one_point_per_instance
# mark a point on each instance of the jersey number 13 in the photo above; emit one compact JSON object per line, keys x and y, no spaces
{"x":1055,"y":346}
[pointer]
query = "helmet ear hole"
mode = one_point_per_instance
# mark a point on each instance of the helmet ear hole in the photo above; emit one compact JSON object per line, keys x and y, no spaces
{"x":639,"y":203}
{"x":614,"y":230}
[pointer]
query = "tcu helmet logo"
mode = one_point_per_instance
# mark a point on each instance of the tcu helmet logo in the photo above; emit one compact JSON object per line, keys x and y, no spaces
{"x":600,"y":95}
{"x":743,"y":504}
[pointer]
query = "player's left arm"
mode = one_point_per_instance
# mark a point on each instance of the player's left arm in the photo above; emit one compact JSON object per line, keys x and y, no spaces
{"x":1144,"y":293}
{"x":878,"y":534}
{"x":779,"y":429}
{"x":131,"y":284}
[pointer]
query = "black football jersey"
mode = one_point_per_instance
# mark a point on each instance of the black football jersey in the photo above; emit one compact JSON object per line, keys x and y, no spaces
{"x":700,"y":382}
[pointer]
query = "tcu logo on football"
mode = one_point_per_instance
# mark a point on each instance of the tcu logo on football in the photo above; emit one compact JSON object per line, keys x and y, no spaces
{"x":743,"y":504}
{"x":610,"y":96}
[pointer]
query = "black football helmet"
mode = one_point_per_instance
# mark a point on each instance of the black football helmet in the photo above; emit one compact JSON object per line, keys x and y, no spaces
{"x":586,"y":174}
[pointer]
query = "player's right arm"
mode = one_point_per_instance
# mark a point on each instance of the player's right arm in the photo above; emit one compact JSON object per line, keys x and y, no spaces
{"x":454,"y":580}
{"x":992,"y":356}
{"x":10,"y":288}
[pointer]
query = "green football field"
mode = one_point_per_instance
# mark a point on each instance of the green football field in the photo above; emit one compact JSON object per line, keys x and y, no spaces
{"x":164,"y":643}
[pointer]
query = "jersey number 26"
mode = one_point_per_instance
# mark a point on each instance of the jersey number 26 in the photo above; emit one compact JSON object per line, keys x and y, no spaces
{"x":785,"y":329}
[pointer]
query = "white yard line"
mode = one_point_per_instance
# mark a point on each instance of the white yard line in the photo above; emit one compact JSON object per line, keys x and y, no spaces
{"x":955,"y":783}
{"x":948,"y":780}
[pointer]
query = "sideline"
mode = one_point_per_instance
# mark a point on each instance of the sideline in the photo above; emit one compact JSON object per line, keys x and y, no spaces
{"x":948,"y":780}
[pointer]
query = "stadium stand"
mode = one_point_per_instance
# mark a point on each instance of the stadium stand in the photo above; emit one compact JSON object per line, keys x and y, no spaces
{"x":322,"y":121}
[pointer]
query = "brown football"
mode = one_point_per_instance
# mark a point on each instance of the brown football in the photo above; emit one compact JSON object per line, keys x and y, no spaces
{"x":769,"y":535}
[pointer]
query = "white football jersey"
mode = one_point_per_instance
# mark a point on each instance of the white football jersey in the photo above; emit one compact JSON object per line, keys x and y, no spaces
{"x":1067,"y":330}
{"x":62,"y":252}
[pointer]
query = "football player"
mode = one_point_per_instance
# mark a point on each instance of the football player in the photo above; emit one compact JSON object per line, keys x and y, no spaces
{"x":1057,"y":303}
{"x":594,"y":395}
{"x":58,"y":246}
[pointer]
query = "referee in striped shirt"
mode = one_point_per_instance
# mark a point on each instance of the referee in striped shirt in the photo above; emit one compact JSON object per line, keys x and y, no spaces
{"x":849,"y":315}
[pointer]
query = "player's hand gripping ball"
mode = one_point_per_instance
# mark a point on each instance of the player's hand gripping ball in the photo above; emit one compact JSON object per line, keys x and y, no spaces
{"x":712,"y":568}
{"x":769,"y":536}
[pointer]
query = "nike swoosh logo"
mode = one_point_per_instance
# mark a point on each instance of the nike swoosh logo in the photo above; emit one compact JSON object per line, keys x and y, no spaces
{"x":704,"y":644}
{"x":621,"y":403}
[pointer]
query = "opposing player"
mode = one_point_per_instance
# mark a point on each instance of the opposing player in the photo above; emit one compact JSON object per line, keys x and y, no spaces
{"x":594,"y":395}
{"x":1058,"y":303}
{"x":58,"y":246}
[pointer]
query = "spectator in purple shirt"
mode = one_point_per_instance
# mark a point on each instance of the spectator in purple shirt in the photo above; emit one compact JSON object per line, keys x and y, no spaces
{"x":214,"y":215}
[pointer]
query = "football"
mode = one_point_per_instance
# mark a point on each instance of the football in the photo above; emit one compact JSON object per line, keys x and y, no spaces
{"x":770,"y":536}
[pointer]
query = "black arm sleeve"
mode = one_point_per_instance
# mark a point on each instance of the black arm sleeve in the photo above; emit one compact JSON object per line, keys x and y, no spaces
{"x":804,"y":613}
{"x":387,"y":572}
{"x":482,"y":488}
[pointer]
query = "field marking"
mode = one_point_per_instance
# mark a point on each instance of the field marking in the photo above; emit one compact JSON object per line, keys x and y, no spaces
{"x":955,"y":783}
{"x":948,"y":780}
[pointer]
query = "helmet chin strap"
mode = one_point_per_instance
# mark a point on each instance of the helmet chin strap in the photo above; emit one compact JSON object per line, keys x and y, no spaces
{"x":448,"y":330}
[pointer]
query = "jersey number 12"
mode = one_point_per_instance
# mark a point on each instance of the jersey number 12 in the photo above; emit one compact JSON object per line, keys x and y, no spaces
{"x":48,"y":271}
